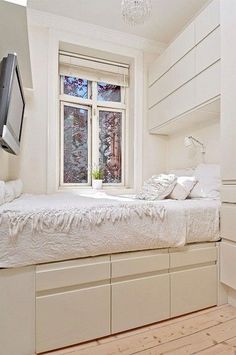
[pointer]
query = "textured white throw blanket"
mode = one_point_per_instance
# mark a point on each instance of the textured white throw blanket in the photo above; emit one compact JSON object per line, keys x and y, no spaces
{"x":42,"y":228}
{"x":63,"y":212}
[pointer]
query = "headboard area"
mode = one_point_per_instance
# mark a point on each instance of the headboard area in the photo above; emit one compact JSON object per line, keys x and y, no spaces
{"x":181,"y":156}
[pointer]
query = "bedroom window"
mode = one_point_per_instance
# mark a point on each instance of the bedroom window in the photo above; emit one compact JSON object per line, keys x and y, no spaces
{"x":94,"y":115}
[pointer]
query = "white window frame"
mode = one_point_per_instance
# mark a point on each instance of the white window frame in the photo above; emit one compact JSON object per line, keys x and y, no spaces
{"x":88,"y":108}
{"x":93,"y":148}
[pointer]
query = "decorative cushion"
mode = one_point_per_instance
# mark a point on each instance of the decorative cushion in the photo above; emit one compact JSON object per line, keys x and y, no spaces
{"x":157,"y":187}
{"x":208,"y":185}
{"x":183,"y":187}
{"x":13,"y":189}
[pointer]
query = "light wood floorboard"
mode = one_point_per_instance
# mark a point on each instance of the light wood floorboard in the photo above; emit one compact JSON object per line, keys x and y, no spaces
{"x":208,"y":332}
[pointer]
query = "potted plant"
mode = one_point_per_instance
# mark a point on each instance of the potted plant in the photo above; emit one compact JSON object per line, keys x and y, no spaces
{"x":97,"y":175}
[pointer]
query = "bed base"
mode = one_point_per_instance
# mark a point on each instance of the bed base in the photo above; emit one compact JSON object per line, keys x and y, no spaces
{"x":69,"y":302}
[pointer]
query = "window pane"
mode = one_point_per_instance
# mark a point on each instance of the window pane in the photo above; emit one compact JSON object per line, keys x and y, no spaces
{"x":75,"y":145}
{"x":109,"y":92}
{"x":75,"y":87}
{"x":110,"y":139}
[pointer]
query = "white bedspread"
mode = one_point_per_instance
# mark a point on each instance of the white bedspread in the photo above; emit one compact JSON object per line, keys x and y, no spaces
{"x":43,"y":228}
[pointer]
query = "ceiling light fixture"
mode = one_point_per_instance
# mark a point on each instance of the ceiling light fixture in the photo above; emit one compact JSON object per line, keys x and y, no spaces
{"x":135,"y":12}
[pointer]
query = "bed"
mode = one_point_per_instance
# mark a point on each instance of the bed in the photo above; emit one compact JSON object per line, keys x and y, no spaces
{"x":86,"y":266}
{"x":44,"y":228}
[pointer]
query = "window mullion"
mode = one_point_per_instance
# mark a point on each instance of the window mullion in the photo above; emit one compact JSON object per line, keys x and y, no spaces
{"x":95,"y":126}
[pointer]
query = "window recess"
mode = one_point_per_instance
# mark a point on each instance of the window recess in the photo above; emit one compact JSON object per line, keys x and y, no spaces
{"x":93,"y":119}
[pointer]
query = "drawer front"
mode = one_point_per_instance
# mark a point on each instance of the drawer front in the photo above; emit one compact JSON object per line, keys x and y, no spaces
{"x":208,"y":84}
{"x":139,"y":263}
{"x":208,"y":51}
{"x":228,"y":264}
{"x":182,"y":44}
{"x":68,"y":318}
{"x":192,"y":256}
{"x":70,"y":273}
{"x":228,"y":221}
{"x":192,"y":290}
{"x":139,"y":302}
{"x":160,"y":113}
{"x":207,"y":20}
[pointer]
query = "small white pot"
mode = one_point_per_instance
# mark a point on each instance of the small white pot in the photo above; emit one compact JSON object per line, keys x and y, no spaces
{"x":97,"y":184}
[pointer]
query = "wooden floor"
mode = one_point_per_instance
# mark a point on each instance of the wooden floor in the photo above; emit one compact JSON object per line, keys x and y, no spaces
{"x":208,"y":332}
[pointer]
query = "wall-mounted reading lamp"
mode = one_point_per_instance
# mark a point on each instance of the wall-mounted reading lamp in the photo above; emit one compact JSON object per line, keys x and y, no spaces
{"x":190,"y":140}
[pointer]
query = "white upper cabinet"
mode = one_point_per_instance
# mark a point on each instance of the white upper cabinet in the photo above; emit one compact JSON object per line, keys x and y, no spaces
{"x":182,"y":44}
{"x":159,"y":67}
{"x":208,"y":51}
{"x":208,"y":84}
{"x":207,"y":20}
{"x":187,"y":74}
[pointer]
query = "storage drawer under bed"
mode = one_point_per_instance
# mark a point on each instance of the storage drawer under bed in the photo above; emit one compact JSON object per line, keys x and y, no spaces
{"x":72,"y":302}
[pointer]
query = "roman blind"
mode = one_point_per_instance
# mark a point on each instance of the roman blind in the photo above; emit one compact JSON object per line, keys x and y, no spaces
{"x":93,"y":69}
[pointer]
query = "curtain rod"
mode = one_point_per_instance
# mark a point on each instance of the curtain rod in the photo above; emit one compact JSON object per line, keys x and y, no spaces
{"x":98,"y":60}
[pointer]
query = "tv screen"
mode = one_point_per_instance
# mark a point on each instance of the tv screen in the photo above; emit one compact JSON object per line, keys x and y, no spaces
{"x":12,"y":104}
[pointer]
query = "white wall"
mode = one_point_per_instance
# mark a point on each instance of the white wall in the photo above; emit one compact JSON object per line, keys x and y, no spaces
{"x":36,"y":164}
{"x":179,"y":156}
{"x":31,"y":164}
{"x":4,"y":161}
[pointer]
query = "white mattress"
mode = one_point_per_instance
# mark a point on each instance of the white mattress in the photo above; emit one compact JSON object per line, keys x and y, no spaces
{"x":43,"y":228}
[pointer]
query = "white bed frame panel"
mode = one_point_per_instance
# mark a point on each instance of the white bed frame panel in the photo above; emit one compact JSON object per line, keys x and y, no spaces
{"x":89,"y":298}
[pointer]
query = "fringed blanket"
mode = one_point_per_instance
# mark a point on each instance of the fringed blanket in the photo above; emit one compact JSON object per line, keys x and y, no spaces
{"x":44,"y":228}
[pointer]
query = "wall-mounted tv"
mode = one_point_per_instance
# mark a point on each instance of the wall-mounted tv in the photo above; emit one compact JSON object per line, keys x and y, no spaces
{"x":12,"y":104}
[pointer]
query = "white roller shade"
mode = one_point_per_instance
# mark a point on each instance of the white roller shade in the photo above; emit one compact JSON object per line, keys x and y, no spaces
{"x":94,"y":70}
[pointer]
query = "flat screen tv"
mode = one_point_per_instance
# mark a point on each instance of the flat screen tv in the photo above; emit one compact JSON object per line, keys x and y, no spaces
{"x":12,"y":104}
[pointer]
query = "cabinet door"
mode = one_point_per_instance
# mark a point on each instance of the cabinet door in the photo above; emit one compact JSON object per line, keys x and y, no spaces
{"x":160,"y":89}
{"x":208,"y":84}
{"x":228,"y":90}
{"x":182,"y":44}
{"x":71,"y":317}
{"x":208,"y":51}
{"x":159,"y":66}
{"x":228,"y":264}
{"x":207,"y":20}
{"x":192,"y":290}
{"x":160,"y":113}
{"x":139,"y":302}
{"x":228,"y":221}
{"x":183,"y":99}
{"x":183,"y":71}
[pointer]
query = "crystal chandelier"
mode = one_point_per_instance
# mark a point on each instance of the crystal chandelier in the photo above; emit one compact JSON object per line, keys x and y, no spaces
{"x":135,"y":11}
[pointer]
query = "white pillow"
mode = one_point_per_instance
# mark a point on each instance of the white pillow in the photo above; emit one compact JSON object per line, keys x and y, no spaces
{"x":183,"y":187}
{"x":2,"y":192}
{"x":208,"y":185}
{"x":13,"y":189}
{"x":157,"y":187}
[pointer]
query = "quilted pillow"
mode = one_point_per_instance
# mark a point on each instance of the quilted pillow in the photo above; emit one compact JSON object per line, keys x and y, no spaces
{"x":157,"y":187}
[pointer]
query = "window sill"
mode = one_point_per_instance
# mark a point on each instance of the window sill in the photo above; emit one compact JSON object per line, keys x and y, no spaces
{"x":110,"y":190}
